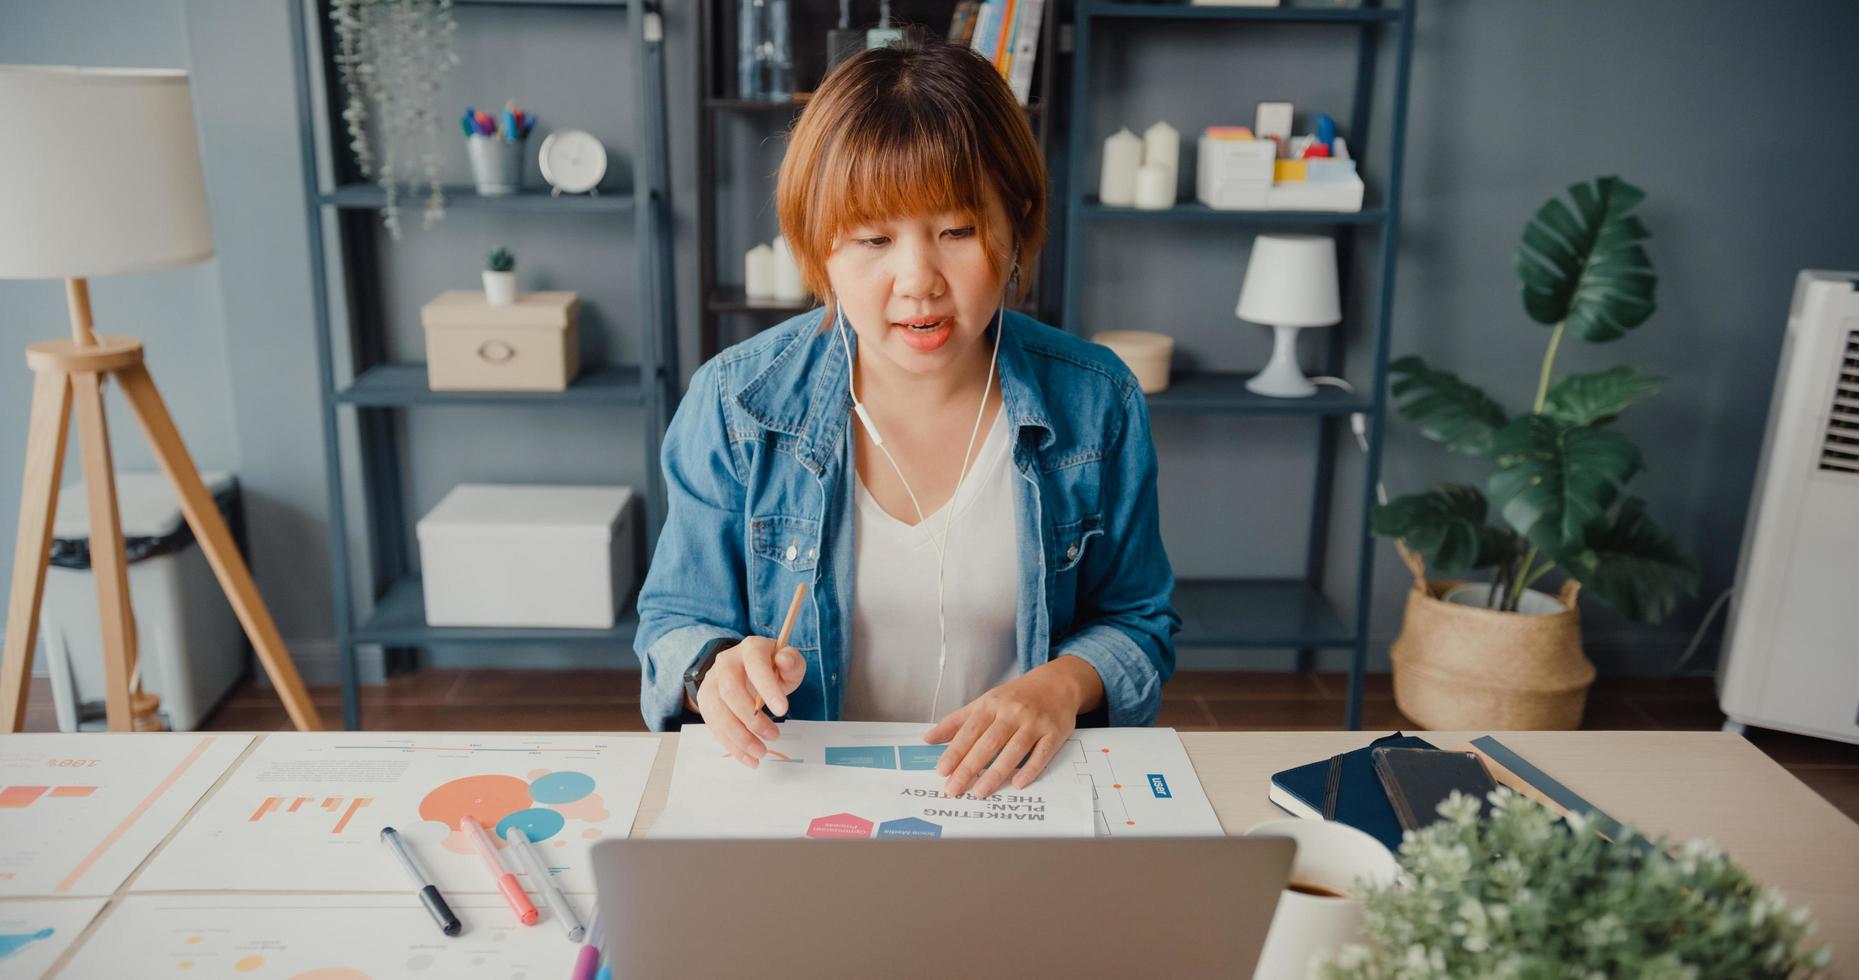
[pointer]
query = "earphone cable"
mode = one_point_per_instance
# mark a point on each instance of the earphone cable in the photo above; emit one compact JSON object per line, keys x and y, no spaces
{"x":940,"y":543}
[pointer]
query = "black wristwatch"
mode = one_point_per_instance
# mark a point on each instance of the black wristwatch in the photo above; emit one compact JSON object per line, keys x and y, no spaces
{"x":694,"y":677}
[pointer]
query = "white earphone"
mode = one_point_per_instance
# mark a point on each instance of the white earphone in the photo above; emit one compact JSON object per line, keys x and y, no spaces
{"x":940,"y":543}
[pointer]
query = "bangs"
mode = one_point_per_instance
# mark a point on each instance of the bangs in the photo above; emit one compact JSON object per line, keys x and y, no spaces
{"x":892,"y":164}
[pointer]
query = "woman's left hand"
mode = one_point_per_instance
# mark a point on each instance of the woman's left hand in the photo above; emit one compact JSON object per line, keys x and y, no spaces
{"x":1028,"y":717}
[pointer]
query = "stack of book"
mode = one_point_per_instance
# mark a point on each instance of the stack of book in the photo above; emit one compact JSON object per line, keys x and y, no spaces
{"x":1006,"y":32}
{"x":1396,"y":783}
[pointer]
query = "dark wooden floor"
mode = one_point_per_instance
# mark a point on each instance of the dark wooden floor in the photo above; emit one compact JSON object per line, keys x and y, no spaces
{"x":581,"y":700}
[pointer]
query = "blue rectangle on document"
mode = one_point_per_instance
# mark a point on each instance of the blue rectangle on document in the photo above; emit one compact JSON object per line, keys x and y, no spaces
{"x":862,"y":756}
{"x":1158,"y":785}
{"x":919,"y":757}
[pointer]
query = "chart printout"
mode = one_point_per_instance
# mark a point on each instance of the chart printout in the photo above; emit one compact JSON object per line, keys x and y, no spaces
{"x":78,"y":813}
{"x":305,"y":811}
{"x":713,"y":795}
{"x":34,"y":932}
{"x":317,"y":937}
{"x":1140,"y":779}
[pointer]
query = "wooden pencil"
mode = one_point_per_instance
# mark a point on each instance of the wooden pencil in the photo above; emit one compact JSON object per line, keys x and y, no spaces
{"x":793,"y":613}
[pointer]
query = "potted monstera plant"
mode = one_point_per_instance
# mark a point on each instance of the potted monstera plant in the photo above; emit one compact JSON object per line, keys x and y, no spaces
{"x":1497,"y":653}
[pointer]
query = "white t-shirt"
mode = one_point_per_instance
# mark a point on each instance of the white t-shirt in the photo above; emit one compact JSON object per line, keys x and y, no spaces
{"x":891,"y":672}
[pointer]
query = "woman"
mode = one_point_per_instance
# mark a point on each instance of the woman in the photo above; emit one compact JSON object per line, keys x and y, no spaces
{"x":969,"y":495}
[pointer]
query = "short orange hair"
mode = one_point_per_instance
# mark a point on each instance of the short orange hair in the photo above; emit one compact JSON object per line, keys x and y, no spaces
{"x":912,"y":128}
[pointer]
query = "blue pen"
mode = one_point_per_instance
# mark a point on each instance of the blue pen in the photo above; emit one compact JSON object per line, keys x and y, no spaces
{"x":509,"y":126}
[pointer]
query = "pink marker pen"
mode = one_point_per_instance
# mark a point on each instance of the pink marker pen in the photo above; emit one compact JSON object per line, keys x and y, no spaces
{"x":506,"y":882}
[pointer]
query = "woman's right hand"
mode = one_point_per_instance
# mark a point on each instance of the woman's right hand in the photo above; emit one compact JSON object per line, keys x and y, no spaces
{"x":743,"y":679}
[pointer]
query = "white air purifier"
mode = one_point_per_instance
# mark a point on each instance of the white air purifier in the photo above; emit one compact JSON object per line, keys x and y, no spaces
{"x":1791,"y":660}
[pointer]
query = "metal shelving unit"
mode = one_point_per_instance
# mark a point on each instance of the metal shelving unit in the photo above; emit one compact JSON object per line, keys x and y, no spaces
{"x":374,"y":387}
{"x":718,"y":105}
{"x":1272,"y":613}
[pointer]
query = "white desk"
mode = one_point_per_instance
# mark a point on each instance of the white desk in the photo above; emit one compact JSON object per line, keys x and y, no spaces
{"x":1685,"y":784}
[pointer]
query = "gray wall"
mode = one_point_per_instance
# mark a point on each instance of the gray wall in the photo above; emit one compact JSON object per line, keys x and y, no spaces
{"x":178,"y":314}
{"x":1724,"y":112}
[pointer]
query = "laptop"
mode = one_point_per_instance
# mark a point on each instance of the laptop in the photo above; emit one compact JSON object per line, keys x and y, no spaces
{"x":813,"y":909}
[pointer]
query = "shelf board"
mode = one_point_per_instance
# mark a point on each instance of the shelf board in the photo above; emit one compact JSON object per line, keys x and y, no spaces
{"x":780,"y":106}
{"x":1289,"y":15}
{"x":1225,"y":393}
{"x":1257,"y":613}
{"x":732,"y":299}
{"x":368,"y":197}
{"x":616,"y":4}
{"x":391,"y":385}
{"x":755,"y":105}
{"x":399,"y":619}
{"x":1188,"y":209}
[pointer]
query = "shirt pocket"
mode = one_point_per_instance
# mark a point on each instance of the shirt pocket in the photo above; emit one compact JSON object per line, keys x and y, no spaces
{"x":791,"y":542}
{"x":1073,"y":541}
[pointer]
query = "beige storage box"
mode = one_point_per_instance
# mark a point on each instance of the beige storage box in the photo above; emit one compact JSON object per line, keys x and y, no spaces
{"x":1146,"y":353}
{"x":529,"y":556}
{"x":529,"y":345}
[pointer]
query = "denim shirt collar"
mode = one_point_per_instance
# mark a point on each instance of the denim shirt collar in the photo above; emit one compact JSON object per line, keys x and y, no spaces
{"x":813,"y":362}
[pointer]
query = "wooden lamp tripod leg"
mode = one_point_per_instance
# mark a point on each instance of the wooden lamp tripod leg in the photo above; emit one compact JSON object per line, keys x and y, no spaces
{"x":216,"y":543}
{"x":108,"y":564}
{"x":45,"y":456}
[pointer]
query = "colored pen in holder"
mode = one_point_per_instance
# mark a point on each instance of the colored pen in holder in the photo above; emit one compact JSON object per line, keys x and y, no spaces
{"x":496,"y":146}
{"x":506,"y":882}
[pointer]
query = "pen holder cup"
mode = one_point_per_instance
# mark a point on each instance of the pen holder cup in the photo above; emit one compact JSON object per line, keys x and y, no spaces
{"x":496,"y":166}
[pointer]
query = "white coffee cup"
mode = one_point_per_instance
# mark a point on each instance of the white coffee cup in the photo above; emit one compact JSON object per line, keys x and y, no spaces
{"x":1331,"y":856}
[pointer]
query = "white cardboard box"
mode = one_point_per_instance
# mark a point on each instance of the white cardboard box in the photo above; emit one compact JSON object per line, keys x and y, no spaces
{"x":528,"y":556}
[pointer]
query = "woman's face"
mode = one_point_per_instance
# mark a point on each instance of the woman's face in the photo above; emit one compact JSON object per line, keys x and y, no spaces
{"x":919,"y":290}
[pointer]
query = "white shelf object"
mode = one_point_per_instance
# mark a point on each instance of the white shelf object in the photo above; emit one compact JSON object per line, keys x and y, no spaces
{"x":528,"y":556}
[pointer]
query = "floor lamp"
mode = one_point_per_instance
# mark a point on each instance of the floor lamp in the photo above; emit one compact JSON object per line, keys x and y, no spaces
{"x":100,"y":175}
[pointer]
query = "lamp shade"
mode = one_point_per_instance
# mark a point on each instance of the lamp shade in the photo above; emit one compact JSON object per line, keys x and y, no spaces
{"x":1291,"y":282}
{"x":99,"y":173}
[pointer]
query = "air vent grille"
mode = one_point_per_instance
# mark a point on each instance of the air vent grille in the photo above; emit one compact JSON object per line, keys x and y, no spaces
{"x":1840,"y":452}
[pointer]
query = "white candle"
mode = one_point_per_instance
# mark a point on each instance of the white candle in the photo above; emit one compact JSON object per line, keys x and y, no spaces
{"x":1162,"y":144}
{"x":1155,"y":187}
{"x":1160,"y":149}
{"x":758,"y":273}
{"x":788,"y":287}
{"x":1123,"y":154}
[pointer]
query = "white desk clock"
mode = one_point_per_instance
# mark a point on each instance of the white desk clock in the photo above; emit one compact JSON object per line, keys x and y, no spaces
{"x":572,"y":161}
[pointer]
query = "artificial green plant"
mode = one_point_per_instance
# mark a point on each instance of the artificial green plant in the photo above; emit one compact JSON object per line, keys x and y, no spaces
{"x":1557,"y":497}
{"x":1520,"y":894}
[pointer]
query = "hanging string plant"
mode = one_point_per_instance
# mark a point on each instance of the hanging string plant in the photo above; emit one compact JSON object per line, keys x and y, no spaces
{"x":392,"y":56}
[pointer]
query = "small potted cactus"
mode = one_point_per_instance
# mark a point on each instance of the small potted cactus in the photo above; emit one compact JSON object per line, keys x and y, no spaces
{"x":500,"y":278}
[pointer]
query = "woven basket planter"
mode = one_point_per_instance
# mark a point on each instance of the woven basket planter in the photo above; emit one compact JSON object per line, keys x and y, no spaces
{"x":1465,"y":668}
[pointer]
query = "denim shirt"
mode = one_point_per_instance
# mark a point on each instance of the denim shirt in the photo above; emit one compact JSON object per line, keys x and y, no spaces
{"x":760,"y":484}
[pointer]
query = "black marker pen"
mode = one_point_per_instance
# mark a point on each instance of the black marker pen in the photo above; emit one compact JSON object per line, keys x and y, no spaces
{"x":429,"y":892}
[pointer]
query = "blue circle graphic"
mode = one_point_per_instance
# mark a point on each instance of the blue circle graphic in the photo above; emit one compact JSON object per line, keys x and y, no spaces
{"x":561,"y":787}
{"x":538,"y":824}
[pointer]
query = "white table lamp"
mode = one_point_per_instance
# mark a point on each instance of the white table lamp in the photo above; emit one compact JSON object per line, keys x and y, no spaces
{"x":1290,"y":284}
{"x":100,"y":175}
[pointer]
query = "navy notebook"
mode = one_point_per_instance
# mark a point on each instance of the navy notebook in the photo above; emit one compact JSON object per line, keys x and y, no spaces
{"x":1358,"y":798}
